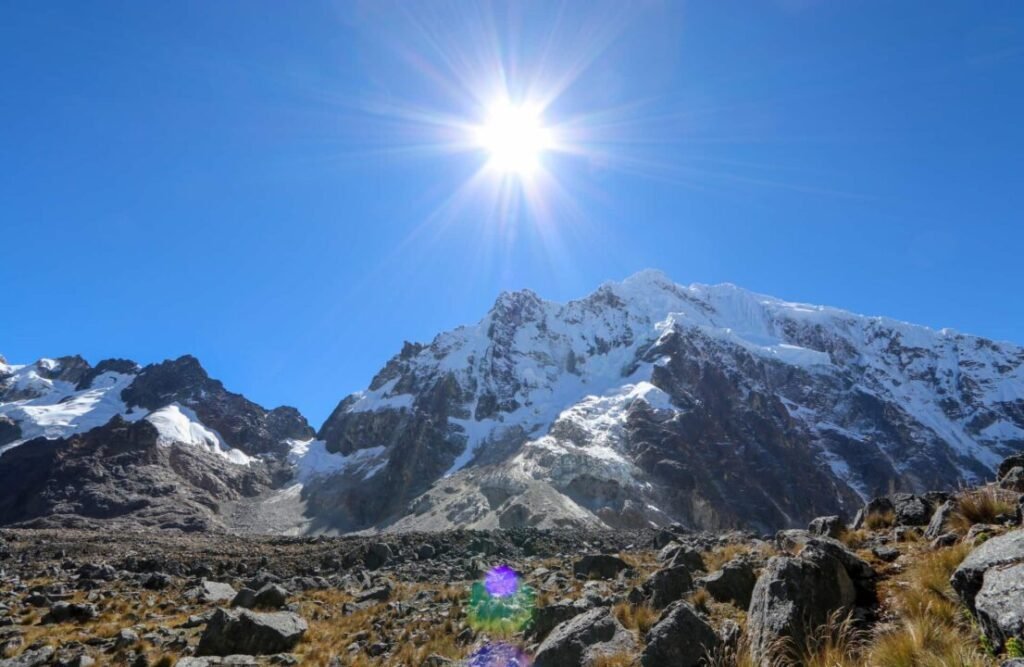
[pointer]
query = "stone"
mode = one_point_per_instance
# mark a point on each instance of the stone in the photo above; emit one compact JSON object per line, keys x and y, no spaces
{"x":245,"y":598}
{"x":937,"y":524}
{"x":126,"y":637}
{"x":689,"y":558}
{"x":911,"y":510}
{"x":582,"y":640}
{"x":1009,"y":463}
{"x":680,"y":638}
{"x":157,"y":581}
{"x":945,"y":540}
{"x":999,"y":551}
{"x":270,"y":596}
{"x":599,"y":566}
{"x":887,"y":554}
{"x":880,"y":505}
{"x":796,"y":594}
{"x":31,"y":658}
{"x":999,"y":604}
{"x":1013,"y":480}
{"x":212,"y":592}
{"x":733,"y":583}
{"x":668,"y":585}
{"x":425,"y":552}
{"x":827,"y":526}
{"x":62,"y":612}
{"x":250,"y":633}
{"x":377,"y":555}
{"x":546,"y":618}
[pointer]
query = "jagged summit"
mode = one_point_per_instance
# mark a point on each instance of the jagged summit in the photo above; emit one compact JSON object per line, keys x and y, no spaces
{"x":645,"y":402}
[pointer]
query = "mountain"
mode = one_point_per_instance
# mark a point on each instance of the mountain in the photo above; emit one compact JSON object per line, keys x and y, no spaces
{"x":646,"y":402}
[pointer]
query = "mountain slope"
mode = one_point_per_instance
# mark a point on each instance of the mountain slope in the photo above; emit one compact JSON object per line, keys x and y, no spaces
{"x":648,"y":401}
{"x":644,"y":403}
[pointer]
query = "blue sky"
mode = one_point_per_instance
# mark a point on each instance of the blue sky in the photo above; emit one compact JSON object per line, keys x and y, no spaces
{"x":269,"y":186}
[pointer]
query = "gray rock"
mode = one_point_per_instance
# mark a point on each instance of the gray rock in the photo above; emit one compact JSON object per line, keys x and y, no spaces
{"x":245,"y":598}
{"x":63,"y":612}
{"x":999,"y":605}
{"x":212,"y":591}
{"x":911,"y":510}
{"x":887,"y":554}
{"x":546,"y":618}
{"x":250,"y":633}
{"x":687,"y":557}
{"x":945,"y":540}
{"x":680,"y":638}
{"x":733,"y":583}
{"x":126,"y":637}
{"x":937,"y":524}
{"x":1009,"y":463}
{"x":377,"y":555}
{"x":668,"y":585}
{"x":827,"y":526}
{"x":271,"y":596}
{"x":599,"y":566}
{"x":1003,"y":550}
{"x":880,"y":505}
{"x":580,"y":641}
{"x":1013,"y":480}
{"x":796,"y":594}
{"x":31,"y":658}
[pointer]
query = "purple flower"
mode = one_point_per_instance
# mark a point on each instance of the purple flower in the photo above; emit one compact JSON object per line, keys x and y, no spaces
{"x":502,"y":581}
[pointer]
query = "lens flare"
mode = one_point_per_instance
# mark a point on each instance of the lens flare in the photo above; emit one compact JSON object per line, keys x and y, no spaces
{"x":501,"y":581}
{"x":501,"y":604}
{"x":499,"y":655}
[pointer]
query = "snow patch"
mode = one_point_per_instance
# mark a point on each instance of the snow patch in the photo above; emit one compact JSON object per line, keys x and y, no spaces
{"x":178,"y":424}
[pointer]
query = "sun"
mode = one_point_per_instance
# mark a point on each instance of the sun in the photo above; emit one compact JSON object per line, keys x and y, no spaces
{"x":514,"y":137}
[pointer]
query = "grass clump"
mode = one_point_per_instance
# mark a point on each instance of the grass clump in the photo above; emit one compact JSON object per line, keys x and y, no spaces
{"x":980,"y":506}
{"x":879,"y":520}
{"x":639,"y":617}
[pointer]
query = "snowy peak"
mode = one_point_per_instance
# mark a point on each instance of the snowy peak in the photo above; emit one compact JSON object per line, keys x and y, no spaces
{"x":872,"y":401}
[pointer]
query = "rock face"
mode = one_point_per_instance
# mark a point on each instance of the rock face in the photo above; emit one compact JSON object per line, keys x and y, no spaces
{"x":990,"y":581}
{"x":1000,"y":551}
{"x":733,"y":583}
{"x":646,"y":400}
{"x":796,"y":594}
{"x":644,"y":403}
{"x":581,"y":641}
{"x":250,"y":633}
{"x":680,"y":638}
{"x":999,"y":605}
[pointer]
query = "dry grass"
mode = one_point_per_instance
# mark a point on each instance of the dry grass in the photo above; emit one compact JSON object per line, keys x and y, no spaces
{"x":615,"y":660}
{"x":640,"y":617}
{"x":716,"y":558}
{"x":854,"y":539}
{"x":923,"y":590}
{"x":879,"y":520}
{"x":926,"y":641}
{"x":700,"y":599}
{"x":979,"y":507}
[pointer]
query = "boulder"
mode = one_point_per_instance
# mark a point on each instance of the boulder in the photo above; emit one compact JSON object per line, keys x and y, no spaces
{"x":270,"y":596}
{"x":999,"y":551}
{"x":880,"y":505}
{"x":211,"y":591}
{"x":687,"y":557}
{"x":62,"y":612}
{"x":937,"y":524}
{"x":1010,"y":462}
{"x":546,"y":618}
{"x":794,"y":595}
{"x":668,"y":585}
{"x":911,"y":510}
{"x":1013,"y":480}
{"x":245,"y":598}
{"x":31,"y":658}
{"x":680,"y":638}
{"x":999,"y":604}
{"x":581,"y":641}
{"x":733,"y":583}
{"x":377,"y":555}
{"x":250,"y":633}
{"x":599,"y":566}
{"x":827,"y":526}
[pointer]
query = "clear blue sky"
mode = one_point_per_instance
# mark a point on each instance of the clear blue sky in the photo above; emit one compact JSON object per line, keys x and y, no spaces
{"x":264,"y":184}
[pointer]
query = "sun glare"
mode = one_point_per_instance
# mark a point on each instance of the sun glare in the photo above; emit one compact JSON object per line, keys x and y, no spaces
{"x":514,"y":137}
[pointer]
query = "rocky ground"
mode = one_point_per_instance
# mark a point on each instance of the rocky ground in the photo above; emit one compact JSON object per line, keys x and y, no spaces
{"x":911,"y":581}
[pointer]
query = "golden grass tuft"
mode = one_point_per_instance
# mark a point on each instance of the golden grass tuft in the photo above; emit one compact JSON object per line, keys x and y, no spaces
{"x":615,"y":660}
{"x":639,"y":617}
{"x":980,"y":506}
{"x":879,"y":520}
{"x":926,"y":641}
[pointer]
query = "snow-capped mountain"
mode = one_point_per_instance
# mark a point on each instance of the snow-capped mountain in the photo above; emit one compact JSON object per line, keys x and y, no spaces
{"x":164,"y":444}
{"x":649,"y":401}
{"x":646,"y":402}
